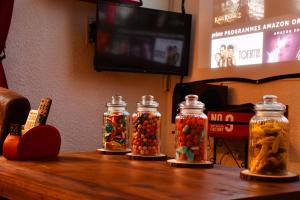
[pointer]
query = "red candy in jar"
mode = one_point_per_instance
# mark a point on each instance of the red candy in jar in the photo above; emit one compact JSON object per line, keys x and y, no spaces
{"x":115,"y":125}
{"x":146,"y":128}
{"x":191,"y":131}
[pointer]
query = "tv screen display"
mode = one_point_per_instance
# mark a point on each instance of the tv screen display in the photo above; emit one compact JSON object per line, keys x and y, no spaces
{"x":136,"y":39}
{"x":250,"y":39}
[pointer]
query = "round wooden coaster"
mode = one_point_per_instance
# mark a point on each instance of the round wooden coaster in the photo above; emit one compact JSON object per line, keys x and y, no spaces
{"x":176,"y":163}
{"x":159,"y":157}
{"x":113,"y":152}
{"x":248,"y":176}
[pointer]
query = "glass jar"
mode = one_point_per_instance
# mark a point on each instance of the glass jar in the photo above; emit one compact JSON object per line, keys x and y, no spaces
{"x":191,"y":131}
{"x":115,"y":131}
{"x":146,"y":128}
{"x":268,"y":142}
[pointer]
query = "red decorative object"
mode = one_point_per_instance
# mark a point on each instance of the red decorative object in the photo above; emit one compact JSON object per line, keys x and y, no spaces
{"x":39,"y":142}
{"x":229,"y":124}
{"x":6,"y":8}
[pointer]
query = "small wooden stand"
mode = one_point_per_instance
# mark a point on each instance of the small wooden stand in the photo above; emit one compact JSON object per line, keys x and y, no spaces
{"x":159,"y":157}
{"x":39,"y":142}
{"x":113,"y":152}
{"x":248,"y":176}
{"x":181,"y":164}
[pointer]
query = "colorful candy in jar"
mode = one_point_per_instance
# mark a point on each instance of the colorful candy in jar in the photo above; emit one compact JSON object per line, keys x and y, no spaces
{"x":115,"y":132}
{"x":269,"y":151}
{"x":145,"y":139}
{"x":191,"y":131}
{"x":268,"y":142}
{"x":191,"y":139}
{"x":146,"y":128}
{"x":115,"y":125}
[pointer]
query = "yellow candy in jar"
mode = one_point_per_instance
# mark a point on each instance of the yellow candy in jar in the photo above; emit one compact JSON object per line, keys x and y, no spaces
{"x":268,"y":142}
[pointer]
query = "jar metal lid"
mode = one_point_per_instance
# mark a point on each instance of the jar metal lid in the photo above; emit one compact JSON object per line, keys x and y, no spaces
{"x":270,"y":104}
{"x":148,"y":101}
{"x":116,"y":101}
{"x":191,"y":102}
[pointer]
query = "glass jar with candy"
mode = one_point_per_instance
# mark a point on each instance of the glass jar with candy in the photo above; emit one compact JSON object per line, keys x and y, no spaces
{"x":115,"y":131}
{"x":268,"y":142}
{"x":146,"y":128}
{"x":191,"y":131}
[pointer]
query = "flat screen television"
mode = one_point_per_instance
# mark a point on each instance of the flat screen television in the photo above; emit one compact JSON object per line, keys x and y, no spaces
{"x":137,"y":39}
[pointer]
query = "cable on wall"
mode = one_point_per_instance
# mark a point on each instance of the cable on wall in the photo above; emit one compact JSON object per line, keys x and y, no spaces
{"x":246,"y":80}
{"x":183,"y":12}
{"x":183,"y":6}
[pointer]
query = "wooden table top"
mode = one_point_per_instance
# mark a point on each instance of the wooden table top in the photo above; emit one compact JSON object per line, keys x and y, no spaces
{"x":94,"y":176}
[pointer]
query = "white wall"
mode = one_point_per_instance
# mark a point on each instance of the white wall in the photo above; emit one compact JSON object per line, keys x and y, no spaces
{"x":47,"y":56}
{"x":239,"y":93}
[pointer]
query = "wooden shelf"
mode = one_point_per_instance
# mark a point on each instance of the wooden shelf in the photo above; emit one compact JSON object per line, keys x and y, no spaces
{"x":95,"y":176}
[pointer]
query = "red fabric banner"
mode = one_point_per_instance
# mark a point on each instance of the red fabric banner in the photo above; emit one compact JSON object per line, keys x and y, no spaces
{"x":6,"y":8}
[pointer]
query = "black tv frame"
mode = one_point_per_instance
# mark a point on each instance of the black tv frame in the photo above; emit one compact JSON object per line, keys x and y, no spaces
{"x":111,"y":65}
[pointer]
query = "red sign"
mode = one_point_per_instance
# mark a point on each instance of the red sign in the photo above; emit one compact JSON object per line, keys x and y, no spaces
{"x":229,"y":124}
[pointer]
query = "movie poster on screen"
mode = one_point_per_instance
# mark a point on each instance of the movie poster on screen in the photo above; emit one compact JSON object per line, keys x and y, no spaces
{"x":226,"y":12}
{"x":282,"y":45}
{"x":237,"y":51}
{"x":168,"y":51}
